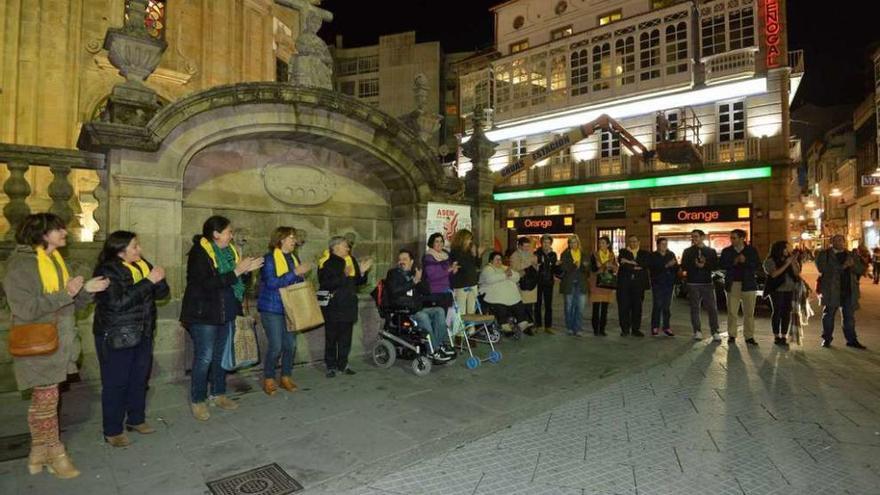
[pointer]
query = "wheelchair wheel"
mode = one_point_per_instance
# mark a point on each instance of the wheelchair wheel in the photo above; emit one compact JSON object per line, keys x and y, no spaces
{"x":494,"y":334}
{"x":421,"y":366}
{"x":384,"y":354}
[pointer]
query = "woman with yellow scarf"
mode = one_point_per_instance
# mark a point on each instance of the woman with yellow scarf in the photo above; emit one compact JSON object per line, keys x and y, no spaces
{"x":39,"y":289}
{"x":602,"y":262}
{"x":124,"y":328}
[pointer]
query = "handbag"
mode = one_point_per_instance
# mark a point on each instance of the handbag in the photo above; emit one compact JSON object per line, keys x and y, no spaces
{"x":302,"y":306}
{"x":606,"y":280}
{"x":33,"y":339}
{"x":124,"y":338}
{"x":241,"y":349}
{"x":529,"y":280}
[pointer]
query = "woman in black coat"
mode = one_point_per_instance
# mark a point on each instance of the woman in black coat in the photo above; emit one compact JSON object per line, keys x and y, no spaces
{"x":632,"y":282}
{"x":124,"y":325}
{"x":339,"y":276}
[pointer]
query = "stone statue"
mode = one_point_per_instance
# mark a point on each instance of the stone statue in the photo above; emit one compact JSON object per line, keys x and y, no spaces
{"x":312,"y":65}
{"x":421,"y":120}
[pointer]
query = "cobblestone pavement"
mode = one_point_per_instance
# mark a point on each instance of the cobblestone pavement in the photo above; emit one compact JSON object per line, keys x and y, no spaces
{"x":559,"y":415}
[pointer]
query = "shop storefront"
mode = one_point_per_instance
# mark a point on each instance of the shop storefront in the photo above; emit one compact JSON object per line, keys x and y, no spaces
{"x":559,"y":227}
{"x":676,"y":224}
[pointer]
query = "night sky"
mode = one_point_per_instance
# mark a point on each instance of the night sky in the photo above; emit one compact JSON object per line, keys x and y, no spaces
{"x":835,"y":40}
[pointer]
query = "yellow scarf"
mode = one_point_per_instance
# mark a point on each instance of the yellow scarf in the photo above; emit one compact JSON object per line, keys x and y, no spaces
{"x":206,"y":245}
{"x":576,"y":256}
{"x":139,"y":270}
{"x":281,"y":262}
{"x":48,"y":273}
{"x":326,"y":256}
{"x":604,"y":256}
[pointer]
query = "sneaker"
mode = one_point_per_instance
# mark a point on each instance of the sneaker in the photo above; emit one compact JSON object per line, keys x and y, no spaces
{"x":717,"y":337}
{"x":331,"y":373}
{"x":698,"y":335}
{"x":752,"y":342}
{"x":668,"y":332}
{"x":200,"y":411}
{"x":348,"y":371}
{"x":637,"y":333}
{"x":447,"y":350}
{"x":826,"y":343}
{"x":655,"y":332}
{"x":856,"y":345}
{"x":225,"y":403}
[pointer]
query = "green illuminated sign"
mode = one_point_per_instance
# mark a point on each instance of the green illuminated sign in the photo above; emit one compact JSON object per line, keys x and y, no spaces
{"x":648,"y":183}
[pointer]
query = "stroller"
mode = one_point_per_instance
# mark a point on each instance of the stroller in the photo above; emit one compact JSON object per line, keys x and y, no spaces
{"x":478,"y":327}
{"x":401,"y":337}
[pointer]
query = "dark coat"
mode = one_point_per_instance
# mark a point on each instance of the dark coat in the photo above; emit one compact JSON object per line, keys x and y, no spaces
{"x":749,"y":268}
{"x":627,"y":275}
{"x":204,"y":299}
{"x":695,"y":274}
{"x":403,"y":291}
{"x":126,"y":304}
{"x":571,"y":272}
{"x":343,"y":305}
{"x":661,"y":275}
{"x":832,"y":277}
{"x":468,"y":269}
{"x":547,"y":267}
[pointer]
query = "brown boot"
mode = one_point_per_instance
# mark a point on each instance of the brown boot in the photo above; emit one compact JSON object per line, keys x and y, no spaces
{"x":226,"y":403}
{"x":200,"y":411}
{"x":118,"y":440}
{"x":269,"y":386}
{"x":58,"y":463}
{"x":288,"y":384}
{"x":143,"y":428}
{"x":38,"y":458}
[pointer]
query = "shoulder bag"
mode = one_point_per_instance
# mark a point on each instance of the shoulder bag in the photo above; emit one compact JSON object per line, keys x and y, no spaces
{"x":33,"y":339}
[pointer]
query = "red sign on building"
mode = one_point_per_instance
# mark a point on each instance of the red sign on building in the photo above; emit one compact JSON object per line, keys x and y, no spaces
{"x":773,"y":33}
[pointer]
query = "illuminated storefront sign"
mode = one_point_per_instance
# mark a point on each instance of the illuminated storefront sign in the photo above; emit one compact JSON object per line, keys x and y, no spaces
{"x":773,"y":33}
{"x":647,"y":183}
{"x":551,"y":224}
{"x":702,"y":214}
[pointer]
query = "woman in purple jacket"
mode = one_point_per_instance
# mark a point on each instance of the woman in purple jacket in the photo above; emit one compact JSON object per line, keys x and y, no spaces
{"x":437,"y":268}
{"x":281,"y":268}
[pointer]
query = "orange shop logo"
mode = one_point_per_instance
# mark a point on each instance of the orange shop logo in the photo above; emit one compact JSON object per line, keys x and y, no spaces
{"x":698,"y":216}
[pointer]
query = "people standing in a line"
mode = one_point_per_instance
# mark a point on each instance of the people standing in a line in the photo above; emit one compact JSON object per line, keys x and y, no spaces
{"x":602,"y":263}
{"x":783,"y":275}
{"x":524,"y":262}
{"x":438,"y":270}
{"x":875,"y":262}
{"x":838,"y":288}
{"x":548,"y":267}
{"x":281,"y":268}
{"x":740,"y":261}
{"x":340,"y":275}
{"x":632,"y":282}
{"x":664,"y":269}
{"x":39,"y":289}
{"x":574,"y":275}
{"x":124,"y":328}
{"x":211,"y":302}
{"x":698,"y":262}
{"x":467,"y":256}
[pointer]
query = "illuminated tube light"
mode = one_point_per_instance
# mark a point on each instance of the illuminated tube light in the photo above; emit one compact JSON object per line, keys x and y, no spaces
{"x":647,"y":183}
{"x":623,"y":108}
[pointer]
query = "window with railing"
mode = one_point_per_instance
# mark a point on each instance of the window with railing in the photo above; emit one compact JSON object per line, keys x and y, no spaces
{"x":649,"y":55}
{"x":368,"y":88}
{"x":726,"y":26}
{"x":601,"y":66}
{"x":346,"y":66}
{"x":609,"y":144}
{"x":350,"y":66}
{"x":731,"y":121}
{"x":560,"y":164}
{"x":368,"y":64}
{"x":676,"y":48}
{"x":580,"y":72}
{"x":625,"y":52}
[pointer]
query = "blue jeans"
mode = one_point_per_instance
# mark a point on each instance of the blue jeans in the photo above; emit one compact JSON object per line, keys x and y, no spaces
{"x":280,"y":342}
{"x":574,"y":308}
{"x":661,"y":300}
{"x":208,"y":344}
{"x":433,"y":320}
{"x":829,"y":313}
{"x":124,"y":376}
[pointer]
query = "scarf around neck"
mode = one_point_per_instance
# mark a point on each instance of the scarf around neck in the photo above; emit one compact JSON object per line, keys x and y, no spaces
{"x":281,"y":266}
{"x":438,"y":255}
{"x":225,"y":260}
{"x":48,"y":273}
{"x":604,"y":256}
{"x":139,"y":269}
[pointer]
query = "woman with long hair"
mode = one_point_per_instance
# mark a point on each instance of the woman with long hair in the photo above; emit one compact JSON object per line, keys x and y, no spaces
{"x":783,"y":276}
{"x":124,"y":327}
{"x":40,"y":290}
{"x":602,"y":262}
{"x":464,"y":281}
{"x":573,"y":287}
{"x":211,"y":302}
{"x":281,"y":268}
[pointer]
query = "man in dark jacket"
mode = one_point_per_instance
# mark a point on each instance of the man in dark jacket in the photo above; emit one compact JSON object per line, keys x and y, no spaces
{"x":838,"y":286}
{"x":632,"y":282}
{"x":547,"y":271}
{"x":406,"y":290}
{"x":698,"y":261}
{"x":740,"y":261}
{"x":664,"y":267}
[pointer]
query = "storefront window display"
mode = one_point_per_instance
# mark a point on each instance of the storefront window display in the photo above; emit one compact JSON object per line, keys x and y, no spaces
{"x":676,"y":224}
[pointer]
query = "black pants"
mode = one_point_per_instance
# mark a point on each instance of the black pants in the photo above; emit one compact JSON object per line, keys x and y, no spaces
{"x":629,"y":303}
{"x":337,"y":344}
{"x":600,"y":316}
{"x":781,"y":318}
{"x":124,"y":375}
{"x":545,"y":299}
{"x":503,"y":313}
{"x":876,"y":273}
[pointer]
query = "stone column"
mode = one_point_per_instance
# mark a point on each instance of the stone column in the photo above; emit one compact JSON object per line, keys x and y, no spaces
{"x":18,"y":189}
{"x":101,"y":217}
{"x":61,"y":191}
{"x":479,"y":182}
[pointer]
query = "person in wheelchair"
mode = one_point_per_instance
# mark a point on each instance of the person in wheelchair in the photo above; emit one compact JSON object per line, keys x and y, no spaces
{"x":501,"y":294}
{"x":406,"y":290}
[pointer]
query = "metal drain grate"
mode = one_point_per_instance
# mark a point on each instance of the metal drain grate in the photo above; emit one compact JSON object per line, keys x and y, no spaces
{"x":15,"y":446}
{"x":265,"y":480}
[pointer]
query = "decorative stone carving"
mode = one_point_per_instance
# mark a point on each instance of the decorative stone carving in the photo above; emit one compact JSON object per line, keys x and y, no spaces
{"x":18,"y":189}
{"x":312,"y":65}
{"x":422,"y":122}
{"x":298,"y":185}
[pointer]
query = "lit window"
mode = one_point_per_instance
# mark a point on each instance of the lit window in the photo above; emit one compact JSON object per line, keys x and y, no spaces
{"x":649,"y":55}
{"x":731,"y":121}
{"x":713,"y":35}
{"x":558,"y":77}
{"x":559,"y":33}
{"x":517,"y":149}
{"x":368,"y":88}
{"x":662,"y":4}
{"x":580,"y":71}
{"x":519,"y":46}
{"x":625,"y":54}
{"x":610,"y":144}
{"x":601,"y":66}
{"x":742,"y":28}
{"x":610,"y":17}
{"x":676,"y":48}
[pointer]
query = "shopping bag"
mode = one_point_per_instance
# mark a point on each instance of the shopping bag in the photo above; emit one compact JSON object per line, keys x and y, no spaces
{"x":606,"y":280}
{"x":241,"y":349}
{"x":301,"y":307}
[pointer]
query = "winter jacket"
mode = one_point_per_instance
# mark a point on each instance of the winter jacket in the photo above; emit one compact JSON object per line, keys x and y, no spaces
{"x":437,"y":273}
{"x":571,"y":272}
{"x":662,"y":275}
{"x":343,"y":305}
{"x":746,"y":271}
{"x":126,"y":304}
{"x":269,"y":295}
{"x":627,"y":275}
{"x":547,"y":268}
{"x":498,"y":288}
{"x":403,"y":291}
{"x":832,"y":277}
{"x":695,"y":274}
{"x":207,"y":292}
{"x":468,"y":269}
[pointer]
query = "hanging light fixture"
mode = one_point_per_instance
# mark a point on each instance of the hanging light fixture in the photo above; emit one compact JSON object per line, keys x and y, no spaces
{"x":835,"y":192}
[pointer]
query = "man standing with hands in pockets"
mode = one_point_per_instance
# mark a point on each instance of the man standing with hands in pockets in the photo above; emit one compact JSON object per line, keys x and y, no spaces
{"x":839,"y":289}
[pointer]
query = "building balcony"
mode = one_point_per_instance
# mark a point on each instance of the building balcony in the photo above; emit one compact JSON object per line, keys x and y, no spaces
{"x":796,"y":62}
{"x":736,"y":64}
